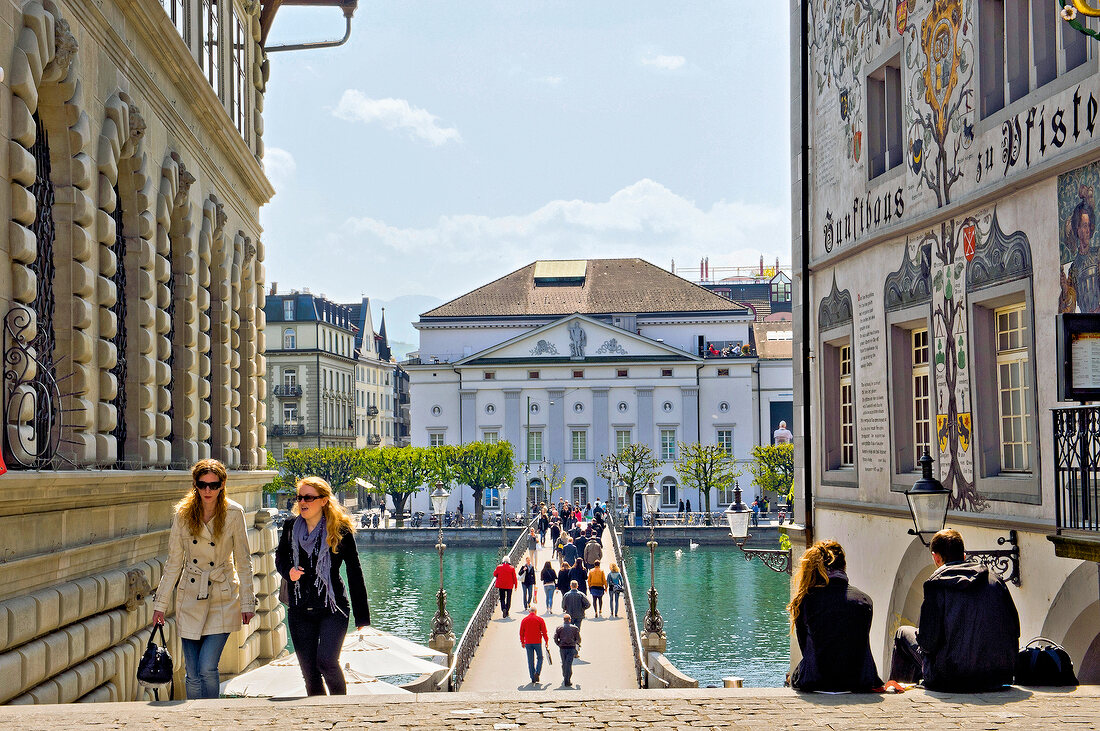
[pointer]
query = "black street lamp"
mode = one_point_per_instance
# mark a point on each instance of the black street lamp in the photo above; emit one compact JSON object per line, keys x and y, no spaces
{"x":620,"y":490}
{"x":928,"y":500}
{"x":653,"y":624}
{"x":502,"y":490}
{"x":442,"y":625}
{"x":737,"y":515}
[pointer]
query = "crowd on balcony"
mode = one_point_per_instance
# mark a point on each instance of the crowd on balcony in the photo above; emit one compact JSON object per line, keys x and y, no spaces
{"x":728,"y":349}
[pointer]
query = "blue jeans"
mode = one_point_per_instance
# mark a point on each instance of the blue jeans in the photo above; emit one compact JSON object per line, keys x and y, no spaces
{"x":528,"y":592}
{"x":534,"y":652}
{"x":613,"y":600}
{"x":548,"y":589}
{"x":200,"y":660}
{"x":567,"y":655}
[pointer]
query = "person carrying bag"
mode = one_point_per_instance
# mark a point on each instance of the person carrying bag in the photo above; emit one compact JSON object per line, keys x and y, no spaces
{"x":155,"y":667}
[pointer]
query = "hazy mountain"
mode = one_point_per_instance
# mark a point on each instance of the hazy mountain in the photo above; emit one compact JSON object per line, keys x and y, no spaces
{"x":401,"y":313}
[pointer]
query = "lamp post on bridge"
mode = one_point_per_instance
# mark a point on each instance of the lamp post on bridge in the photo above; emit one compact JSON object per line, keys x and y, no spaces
{"x":620,"y":491}
{"x":653,"y":626}
{"x":502,"y":491}
{"x":443,"y":636}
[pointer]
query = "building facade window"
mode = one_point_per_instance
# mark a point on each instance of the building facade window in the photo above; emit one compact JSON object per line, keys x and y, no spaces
{"x":580,"y":445}
{"x":725,"y":440}
{"x":534,"y":446}
{"x":290,"y":412}
{"x":847,"y":409}
{"x":209,"y":42}
{"x":666,"y":373}
{"x":288,"y":309}
{"x":669,"y":493}
{"x":723,"y":371}
{"x":622,"y":440}
{"x":578,"y":374}
{"x":725,"y":494}
{"x":533,"y":375}
{"x":922,"y":398}
{"x":290,"y":376}
{"x":884,"y":104}
{"x":238,"y":109}
{"x":177,"y":12}
{"x":668,"y":444}
{"x":781,"y":290}
{"x":290,"y":341}
{"x":580,"y":491}
{"x":435,"y":439}
{"x":489,"y":437}
{"x":1013,"y":386}
{"x":622,"y":373}
{"x":489,"y":375}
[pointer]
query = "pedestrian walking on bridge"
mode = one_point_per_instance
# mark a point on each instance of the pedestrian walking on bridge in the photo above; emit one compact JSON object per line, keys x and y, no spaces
{"x":575,"y":603}
{"x":568,"y":639}
{"x":532,"y":635}
{"x":597,"y":585}
{"x":505,"y":581}
{"x":549,"y":583}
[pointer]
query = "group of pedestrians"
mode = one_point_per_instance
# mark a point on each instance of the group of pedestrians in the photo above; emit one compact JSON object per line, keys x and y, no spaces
{"x":966,"y":641}
{"x":209,"y":570}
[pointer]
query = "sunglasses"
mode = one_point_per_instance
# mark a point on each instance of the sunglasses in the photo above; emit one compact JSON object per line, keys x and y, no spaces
{"x":307,"y":498}
{"x":204,"y":485}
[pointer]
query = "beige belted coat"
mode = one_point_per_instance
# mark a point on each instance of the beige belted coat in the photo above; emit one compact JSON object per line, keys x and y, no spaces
{"x":204,"y":571}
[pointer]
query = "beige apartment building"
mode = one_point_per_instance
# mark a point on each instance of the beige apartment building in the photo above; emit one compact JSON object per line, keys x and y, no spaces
{"x":132,"y":300}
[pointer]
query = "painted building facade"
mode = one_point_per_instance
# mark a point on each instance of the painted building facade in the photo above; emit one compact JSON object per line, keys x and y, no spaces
{"x":132,"y":298}
{"x":570,"y":360}
{"x":945,"y":176}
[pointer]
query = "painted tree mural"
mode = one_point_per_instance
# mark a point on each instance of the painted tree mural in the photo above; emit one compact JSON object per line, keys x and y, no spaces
{"x":939,"y":56}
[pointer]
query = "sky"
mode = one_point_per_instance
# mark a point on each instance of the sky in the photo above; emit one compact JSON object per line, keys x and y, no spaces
{"x":449,"y":143}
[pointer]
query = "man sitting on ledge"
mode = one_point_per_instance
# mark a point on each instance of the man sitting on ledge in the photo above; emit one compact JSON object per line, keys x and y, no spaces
{"x":969,"y":628}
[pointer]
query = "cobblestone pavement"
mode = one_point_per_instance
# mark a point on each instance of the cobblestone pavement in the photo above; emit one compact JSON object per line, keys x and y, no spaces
{"x":559,"y":710}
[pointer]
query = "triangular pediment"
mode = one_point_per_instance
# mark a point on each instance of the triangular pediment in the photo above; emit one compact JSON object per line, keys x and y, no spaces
{"x":577,"y":338}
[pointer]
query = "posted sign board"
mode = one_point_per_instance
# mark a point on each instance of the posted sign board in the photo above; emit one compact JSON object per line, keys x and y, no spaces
{"x":1079,"y":357}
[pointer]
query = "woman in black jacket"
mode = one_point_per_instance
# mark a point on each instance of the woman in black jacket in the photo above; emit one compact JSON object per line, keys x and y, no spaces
{"x":832,"y":622}
{"x":311,"y":549}
{"x":526,"y":575}
{"x":563,"y":579}
{"x":549,"y":579}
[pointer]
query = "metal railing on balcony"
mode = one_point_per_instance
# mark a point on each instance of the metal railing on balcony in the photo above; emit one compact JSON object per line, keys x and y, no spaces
{"x":1077,"y":468}
{"x":288,"y":390}
{"x":286,"y":430}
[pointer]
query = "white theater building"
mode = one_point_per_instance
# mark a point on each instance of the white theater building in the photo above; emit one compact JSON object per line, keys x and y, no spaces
{"x":571,"y":360}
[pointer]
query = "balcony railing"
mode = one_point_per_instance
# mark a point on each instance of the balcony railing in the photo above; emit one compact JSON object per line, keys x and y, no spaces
{"x":727,"y":349}
{"x":286,"y":430}
{"x":288,"y":390}
{"x":1077,"y":468}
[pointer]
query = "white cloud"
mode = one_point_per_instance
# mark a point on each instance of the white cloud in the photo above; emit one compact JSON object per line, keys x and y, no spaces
{"x":666,"y":63}
{"x":279,"y":166}
{"x":395,"y":114}
{"x":645,"y":219}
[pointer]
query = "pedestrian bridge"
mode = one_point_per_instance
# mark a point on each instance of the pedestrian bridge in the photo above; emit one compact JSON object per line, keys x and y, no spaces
{"x":489,"y":657}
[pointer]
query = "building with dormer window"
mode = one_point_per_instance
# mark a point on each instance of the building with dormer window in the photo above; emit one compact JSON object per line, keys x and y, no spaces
{"x":572,"y":360}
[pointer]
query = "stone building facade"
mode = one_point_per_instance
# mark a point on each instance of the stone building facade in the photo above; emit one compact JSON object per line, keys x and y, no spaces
{"x":945,"y":173}
{"x":131,"y":290}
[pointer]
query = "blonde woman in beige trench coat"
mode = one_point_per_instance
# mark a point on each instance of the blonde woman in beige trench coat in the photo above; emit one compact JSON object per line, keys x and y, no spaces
{"x":210,"y":567}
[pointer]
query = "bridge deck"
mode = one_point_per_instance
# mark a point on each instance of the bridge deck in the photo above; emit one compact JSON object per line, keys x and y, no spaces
{"x":606,"y":660}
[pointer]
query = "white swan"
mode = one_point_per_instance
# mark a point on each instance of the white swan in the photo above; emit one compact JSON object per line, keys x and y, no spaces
{"x":679,"y":553}
{"x":692,"y":544}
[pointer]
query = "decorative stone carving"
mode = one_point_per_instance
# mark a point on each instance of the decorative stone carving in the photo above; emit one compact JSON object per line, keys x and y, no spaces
{"x":137,"y":124}
{"x":1004,"y":257}
{"x":137,"y":588}
{"x":912,"y":283}
{"x":611,"y":347}
{"x":544,"y":347}
{"x":835,"y":309}
{"x":577,"y":340}
{"x":64,"y":48}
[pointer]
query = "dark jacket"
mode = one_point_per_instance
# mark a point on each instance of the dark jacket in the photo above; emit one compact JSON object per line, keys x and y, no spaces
{"x":569,"y":553}
{"x":969,"y":629}
{"x":549,"y":576}
{"x":833,"y":631}
{"x":567,"y":635}
{"x":574,"y":604}
{"x":527,"y":574}
{"x":346,"y":553}
{"x":579,"y":575}
{"x":563,"y":581}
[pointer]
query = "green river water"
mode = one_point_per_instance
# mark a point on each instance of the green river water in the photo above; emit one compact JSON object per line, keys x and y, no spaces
{"x":723,"y":616}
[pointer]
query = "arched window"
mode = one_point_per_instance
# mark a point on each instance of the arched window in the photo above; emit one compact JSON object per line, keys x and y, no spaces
{"x":289,"y":339}
{"x":669,"y":494}
{"x":580,"y":491}
{"x":536,"y":493}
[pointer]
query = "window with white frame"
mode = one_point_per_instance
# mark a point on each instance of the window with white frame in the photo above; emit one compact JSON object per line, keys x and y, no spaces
{"x":490,"y":498}
{"x":290,"y":340}
{"x":922,"y":398}
{"x":580,"y":491}
{"x":238,"y":110}
{"x":290,"y":376}
{"x":725,"y":440}
{"x":668,"y":444}
{"x":435,"y":439}
{"x":725,"y":494}
{"x":580,"y":445}
{"x":622,"y":440}
{"x":884,"y":105}
{"x":490,"y":437}
{"x":290,"y":412}
{"x":1012,"y":386}
{"x":534,"y":446}
{"x":847,"y":409}
{"x":288,"y":309}
{"x":209,"y":42}
{"x":669,"y":494}
{"x":177,"y":11}
{"x":1023,"y":45}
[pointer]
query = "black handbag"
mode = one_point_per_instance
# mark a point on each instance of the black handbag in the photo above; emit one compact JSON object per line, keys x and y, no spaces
{"x":155,"y":666}
{"x":1044,"y":662}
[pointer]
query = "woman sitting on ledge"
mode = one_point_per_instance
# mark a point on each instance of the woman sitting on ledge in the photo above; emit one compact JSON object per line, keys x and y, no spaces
{"x":832,"y":622}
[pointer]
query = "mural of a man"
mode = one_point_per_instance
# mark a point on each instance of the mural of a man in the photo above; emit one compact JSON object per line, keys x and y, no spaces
{"x":1081,"y":283}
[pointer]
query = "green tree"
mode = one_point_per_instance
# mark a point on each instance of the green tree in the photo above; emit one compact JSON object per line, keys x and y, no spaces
{"x":705,"y":467}
{"x":773,"y":469}
{"x":279,"y":483}
{"x":398,"y":472}
{"x":483,"y":466}
{"x":339,"y":466}
{"x":635,"y":465}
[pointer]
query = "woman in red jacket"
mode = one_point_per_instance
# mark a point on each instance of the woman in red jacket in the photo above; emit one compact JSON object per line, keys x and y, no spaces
{"x":505,"y":580}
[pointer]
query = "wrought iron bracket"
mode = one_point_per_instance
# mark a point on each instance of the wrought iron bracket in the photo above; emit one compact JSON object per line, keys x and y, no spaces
{"x":776,"y":559}
{"x":1003,"y":562}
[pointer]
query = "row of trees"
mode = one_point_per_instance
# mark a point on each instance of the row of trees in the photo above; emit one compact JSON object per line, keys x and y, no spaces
{"x":400,"y":472}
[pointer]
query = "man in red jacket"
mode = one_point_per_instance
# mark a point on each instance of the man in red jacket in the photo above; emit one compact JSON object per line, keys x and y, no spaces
{"x":532,"y":635}
{"x":506,"y":580}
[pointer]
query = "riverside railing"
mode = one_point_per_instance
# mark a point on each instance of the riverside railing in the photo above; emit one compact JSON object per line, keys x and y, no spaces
{"x":479,"y":622}
{"x":1077,"y":468}
{"x":640,"y":671}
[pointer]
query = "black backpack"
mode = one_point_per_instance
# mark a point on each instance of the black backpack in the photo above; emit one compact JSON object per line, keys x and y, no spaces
{"x":1044,"y":662}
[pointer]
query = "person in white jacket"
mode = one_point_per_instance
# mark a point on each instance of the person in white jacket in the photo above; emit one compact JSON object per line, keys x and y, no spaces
{"x":210,"y":568}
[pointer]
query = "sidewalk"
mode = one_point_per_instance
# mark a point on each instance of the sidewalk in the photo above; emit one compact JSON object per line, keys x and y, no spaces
{"x":710,"y":708}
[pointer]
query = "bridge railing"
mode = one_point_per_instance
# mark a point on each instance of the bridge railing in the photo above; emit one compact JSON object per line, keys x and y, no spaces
{"x":640,"y":671}
{"x":479,"y":622}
